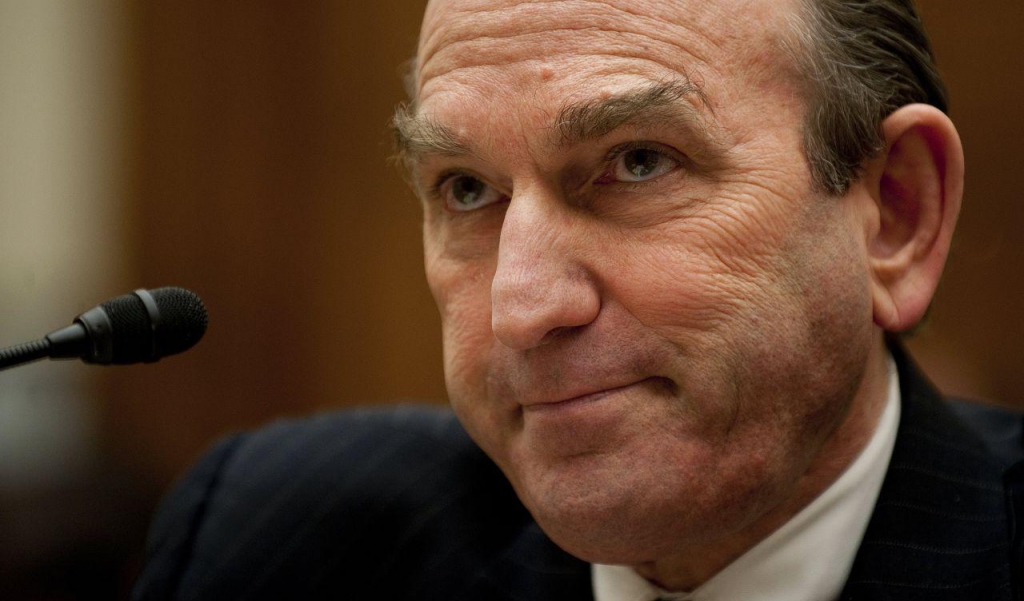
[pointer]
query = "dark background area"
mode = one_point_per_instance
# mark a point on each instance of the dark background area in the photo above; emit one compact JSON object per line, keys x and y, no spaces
{"x":258,"y":176}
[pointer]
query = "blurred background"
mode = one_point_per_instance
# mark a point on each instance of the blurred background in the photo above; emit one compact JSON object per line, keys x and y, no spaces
{"x":240,"y":150}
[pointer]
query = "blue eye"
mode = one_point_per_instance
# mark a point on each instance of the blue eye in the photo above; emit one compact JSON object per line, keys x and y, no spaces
{"x":465,"y":193}
{"x":641,"y":164}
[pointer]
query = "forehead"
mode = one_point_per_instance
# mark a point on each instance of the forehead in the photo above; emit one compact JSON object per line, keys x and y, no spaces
{"x":476,"y":42}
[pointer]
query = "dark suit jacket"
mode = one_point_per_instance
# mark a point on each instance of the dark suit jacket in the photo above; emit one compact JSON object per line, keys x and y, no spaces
{"x":400,"y":504}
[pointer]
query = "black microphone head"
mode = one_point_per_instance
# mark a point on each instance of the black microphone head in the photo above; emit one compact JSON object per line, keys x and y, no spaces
{"x":184,"y":319}
{"x":148,"y":325}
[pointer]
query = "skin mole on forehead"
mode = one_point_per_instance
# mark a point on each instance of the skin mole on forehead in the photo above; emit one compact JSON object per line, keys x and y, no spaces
{"x":546,"y":72}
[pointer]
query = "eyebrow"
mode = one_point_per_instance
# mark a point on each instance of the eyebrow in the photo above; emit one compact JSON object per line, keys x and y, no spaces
{"x":417,"y":135}
{"x":675,"y":102}
{"x":655,"y":104}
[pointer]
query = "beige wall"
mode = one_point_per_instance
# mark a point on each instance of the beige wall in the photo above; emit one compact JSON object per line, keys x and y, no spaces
{"x":63,"y":511}
{"x":61,"y":164}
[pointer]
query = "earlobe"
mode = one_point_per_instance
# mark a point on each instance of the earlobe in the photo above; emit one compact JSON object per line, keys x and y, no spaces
{"x":917,"y":185}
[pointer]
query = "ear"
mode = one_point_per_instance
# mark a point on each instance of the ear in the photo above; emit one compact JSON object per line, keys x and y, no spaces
{"x":917,"y":185}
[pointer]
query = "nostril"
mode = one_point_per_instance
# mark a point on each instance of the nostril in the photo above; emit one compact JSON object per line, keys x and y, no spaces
{"x":559,"y":333}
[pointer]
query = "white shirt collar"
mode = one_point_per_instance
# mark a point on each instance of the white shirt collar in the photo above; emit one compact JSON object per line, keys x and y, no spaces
{"x":809,"y":557}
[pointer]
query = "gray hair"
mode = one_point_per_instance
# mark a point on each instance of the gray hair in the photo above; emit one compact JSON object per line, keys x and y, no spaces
{"x":860,"y":60}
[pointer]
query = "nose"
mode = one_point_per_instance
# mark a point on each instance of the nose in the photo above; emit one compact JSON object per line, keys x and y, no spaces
{"x":540,"y":287}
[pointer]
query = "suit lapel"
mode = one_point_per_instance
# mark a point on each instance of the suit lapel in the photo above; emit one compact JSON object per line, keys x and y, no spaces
{"x":939,"y":528}
{"x":533,"y":568}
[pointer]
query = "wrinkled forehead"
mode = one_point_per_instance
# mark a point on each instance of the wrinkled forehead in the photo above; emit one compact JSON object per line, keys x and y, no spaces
{"x":706,"y":38}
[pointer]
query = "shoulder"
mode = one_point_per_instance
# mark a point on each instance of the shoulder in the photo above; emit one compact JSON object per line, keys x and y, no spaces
{"x":941,"y":526}
{"x":1001,"y":429}
{"x":362,"y":453}
{"x":346,"y":499}
{"x":992,"y":431}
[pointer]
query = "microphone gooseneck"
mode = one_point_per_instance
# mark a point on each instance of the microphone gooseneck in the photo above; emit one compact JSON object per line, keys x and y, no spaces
{"x":140,"y":327}
{"x":23,"y":353}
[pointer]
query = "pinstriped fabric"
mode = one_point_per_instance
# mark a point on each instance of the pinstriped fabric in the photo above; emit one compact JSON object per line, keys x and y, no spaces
{"x":939,"y":529}
{"x":173,"y":531}
{"x":531,"y":569}
{"x":350,"y":505}
{"x":943,"y":440}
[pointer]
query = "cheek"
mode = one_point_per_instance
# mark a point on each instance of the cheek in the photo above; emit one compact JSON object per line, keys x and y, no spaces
{"x":461,"y":290}
{"x":689,"y":277}
{"x":462,"y":294}
{"x":740,"y":301}
{"x":730,"y":259}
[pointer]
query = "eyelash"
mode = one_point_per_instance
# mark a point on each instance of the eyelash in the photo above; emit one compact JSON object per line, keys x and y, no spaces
{"x":617,"y":152}
{"x":622,"y":149}
{"x":435,"y":189}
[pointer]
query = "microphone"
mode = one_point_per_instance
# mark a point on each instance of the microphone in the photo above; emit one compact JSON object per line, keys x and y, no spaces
{"x":140,"y":327}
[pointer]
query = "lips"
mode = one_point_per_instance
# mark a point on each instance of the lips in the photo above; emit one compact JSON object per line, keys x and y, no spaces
{"x":572,"y":400}
{"x":593,"y":422}
{"x":587,"y":370}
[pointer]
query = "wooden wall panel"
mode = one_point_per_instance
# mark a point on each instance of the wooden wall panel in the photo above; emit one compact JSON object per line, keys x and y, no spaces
{"x":262,"y":182}
{"x":974,"y":343}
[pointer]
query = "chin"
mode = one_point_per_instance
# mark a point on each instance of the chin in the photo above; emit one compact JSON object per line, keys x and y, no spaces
{"x":602,"y":515}
{"x":637,"y":505}
{"x":605,"y":529}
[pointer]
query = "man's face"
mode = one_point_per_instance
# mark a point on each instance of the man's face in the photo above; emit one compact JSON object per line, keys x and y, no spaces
{"x":652,"y":323}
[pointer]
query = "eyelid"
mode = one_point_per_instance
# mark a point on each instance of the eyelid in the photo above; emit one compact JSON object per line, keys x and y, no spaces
{"x":437,"y":192}
{"x":434,"y":190}
{"x":620,"y":149}
{"x":438,"y":182}
{"x":606,"y":177}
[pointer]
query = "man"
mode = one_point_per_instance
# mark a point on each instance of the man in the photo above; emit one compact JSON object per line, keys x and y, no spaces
{"x":667,"y":241}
